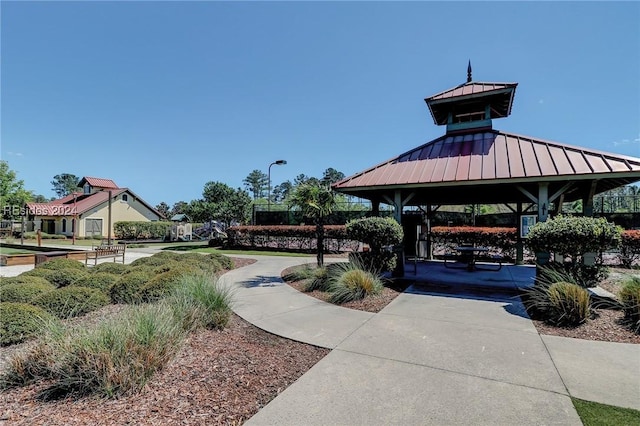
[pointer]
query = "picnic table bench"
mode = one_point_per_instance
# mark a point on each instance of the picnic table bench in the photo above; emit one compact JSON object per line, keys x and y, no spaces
{"x":469,"y":255}
{"x":115,"y":251}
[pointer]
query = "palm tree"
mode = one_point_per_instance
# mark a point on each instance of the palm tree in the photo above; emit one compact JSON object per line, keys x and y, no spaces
{"x":315,"y":202}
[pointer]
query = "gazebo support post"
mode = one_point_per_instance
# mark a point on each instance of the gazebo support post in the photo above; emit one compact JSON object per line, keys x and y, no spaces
{"x":398,"y":272}
{"x":543,"y":213}
{"x":375,"y":208}
{"x":587,"y":211}
{"x":519,"y":241}
{"x":429,"y":239}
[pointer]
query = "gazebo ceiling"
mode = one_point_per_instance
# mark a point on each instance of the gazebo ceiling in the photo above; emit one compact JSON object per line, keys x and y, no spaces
{"x":490,"y":166}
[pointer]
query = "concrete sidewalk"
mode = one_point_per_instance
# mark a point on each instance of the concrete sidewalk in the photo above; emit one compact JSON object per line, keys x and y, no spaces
{"x":429,"y":358}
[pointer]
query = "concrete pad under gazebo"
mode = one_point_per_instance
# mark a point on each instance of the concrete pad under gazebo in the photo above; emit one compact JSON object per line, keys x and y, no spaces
{"x":474,"y":163}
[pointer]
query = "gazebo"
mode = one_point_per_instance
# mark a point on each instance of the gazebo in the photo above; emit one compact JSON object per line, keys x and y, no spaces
{"x":474,"y":163}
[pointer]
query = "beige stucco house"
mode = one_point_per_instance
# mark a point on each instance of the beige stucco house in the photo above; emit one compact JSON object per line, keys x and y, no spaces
{"x":95,"y":209}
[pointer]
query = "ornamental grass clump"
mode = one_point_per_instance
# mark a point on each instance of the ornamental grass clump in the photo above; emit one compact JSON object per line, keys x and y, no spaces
{"x":630,"y":299}
{"x":349,"y":281}
{"x":114,"y":358}
{"x":201,"y":301}
{"x":569,"y":304}
{"x":319,"y":280}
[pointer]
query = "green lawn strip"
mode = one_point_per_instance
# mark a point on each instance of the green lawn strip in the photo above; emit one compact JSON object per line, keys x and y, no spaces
{"x":9,"y":250}
{"x":596,"y":414}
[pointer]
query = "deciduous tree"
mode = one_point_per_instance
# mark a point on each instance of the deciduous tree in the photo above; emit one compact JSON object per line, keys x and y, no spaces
{"x":13,"y":196}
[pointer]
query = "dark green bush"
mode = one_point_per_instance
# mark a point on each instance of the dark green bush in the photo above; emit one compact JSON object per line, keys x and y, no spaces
{"x":377,"y":232}
{"x":62,"y":263}
{"x":100,"y":281}
{"x":20,"y":321}
{"x":24,"y":292}
{"x":110,"y":268}
{"x":151,"y":261}
{"x":23,"y":278}
{"x":160,"y":286}
{"x":68,"y":302}
{"x":126,"y":289}
{"x":572,"y":238}
{"x":225,"y":261}
{"x":630,"y":299}
{"x":64,"y":277}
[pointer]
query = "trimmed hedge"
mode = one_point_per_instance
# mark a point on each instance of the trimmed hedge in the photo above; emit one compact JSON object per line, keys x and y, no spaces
{"x":22,"y":279}
{"x":377,"y":232}
{"x":20,"y":321}
{"x":500,"y":240}
{"x":289,"y":237}
{"x":138,"y":230}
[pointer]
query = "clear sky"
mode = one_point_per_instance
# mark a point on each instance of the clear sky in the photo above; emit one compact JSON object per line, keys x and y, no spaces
{"x":163,"y":97}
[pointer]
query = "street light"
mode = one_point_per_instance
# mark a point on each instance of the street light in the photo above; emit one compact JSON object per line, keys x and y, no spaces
{"x":278,"y":163}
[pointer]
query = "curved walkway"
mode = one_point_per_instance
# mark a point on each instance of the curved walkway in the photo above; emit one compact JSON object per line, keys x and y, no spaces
{"x":429,"y":359}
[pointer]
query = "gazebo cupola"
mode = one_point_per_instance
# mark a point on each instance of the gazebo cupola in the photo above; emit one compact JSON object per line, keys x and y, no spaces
{"x":471,"y":105}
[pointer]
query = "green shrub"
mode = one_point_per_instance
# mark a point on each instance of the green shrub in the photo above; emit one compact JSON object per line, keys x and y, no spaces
{"x":375,"y":262}
{"x":349,"y":281}
{"x":100,"y":281}
{"x":573,"y":237}
{"x":377,"y":232}
{"x":20,"y":321}
{"x":150,"y":261}
{"x":110,"y":268}
{"x":68,"y":302}
{"x":568,"y":304}
{"x":62,"y":263}
{"x":630,"y":299}
{"x":320,"y":280}
{"x":629,"y":248}
{"x":23,"y":278}
{"x":200,"y":301}
{"x":37,"y":272}
{"x":64,"y":277}
{"x":160,"y":286}
{"x":225,"y":261}
{"x":126,"y":289}
{"x":300,"y":273}
{"x":24,"y":292}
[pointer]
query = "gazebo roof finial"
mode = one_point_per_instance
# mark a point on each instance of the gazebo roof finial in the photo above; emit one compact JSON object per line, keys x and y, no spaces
{"x":469,"y":72}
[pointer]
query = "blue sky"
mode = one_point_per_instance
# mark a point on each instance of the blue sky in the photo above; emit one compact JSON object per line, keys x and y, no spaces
{"x":163,"y":97}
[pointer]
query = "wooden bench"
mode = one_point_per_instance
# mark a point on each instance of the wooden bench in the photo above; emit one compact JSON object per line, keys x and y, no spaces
{"x":115,"y":251}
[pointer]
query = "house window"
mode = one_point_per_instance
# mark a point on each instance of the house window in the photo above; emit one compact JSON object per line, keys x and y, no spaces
{"x":64,"y":225}
{"x":87,"y":189}
{"x":125,"y":197}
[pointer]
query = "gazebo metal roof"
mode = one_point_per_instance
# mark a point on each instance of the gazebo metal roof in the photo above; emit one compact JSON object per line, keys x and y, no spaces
{"x":490,"y":166}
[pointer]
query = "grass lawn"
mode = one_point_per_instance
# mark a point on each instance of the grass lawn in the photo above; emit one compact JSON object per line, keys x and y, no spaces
{"x":8,"y":250}
{"x":595,"y":414}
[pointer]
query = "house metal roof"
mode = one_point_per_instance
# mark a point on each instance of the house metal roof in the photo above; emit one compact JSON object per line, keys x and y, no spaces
{"x":80,"y":203}
{"x":98,"y":182}
{"x":482,"y":160}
